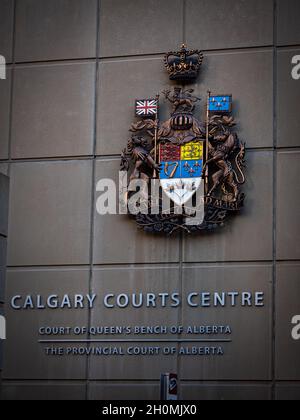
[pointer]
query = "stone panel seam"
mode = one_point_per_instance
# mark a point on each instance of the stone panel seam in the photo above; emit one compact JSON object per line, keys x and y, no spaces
{"x":49,"y":159}
{"x":56,"y":63}
{"x":92,"y":230}
{"x":258,"y":48}
{"x":152,"y":265}
{"x":291,"y":149}
{"x":288,"y":47}
{"x":295,"y":149}
{"x":12,"y":86}
{"x":184,"y":38}
{"x":24,"y":64}
{"x":275,"y":81}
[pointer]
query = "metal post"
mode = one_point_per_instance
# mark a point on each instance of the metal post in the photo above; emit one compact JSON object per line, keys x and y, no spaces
{"x":207,"y":140}
{"x":156,"y":136}
{"x":169,"y":387}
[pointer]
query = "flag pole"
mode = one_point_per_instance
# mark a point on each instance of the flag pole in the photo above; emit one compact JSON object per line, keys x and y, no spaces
{"x":156,"y":135}
{"x":207,"y":140}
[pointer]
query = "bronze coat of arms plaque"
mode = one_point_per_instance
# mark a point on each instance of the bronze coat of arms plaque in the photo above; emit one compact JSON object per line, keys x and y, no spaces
{"x":189,"y":173}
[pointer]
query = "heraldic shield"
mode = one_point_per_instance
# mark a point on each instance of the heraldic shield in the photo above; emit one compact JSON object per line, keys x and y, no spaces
{"x":181,"y":170}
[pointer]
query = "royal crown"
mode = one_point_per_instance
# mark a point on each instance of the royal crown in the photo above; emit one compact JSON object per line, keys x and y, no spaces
{"x":183,"y":65}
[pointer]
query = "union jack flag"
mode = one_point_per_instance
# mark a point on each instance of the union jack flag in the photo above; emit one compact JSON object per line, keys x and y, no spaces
{"x":146,"y":108}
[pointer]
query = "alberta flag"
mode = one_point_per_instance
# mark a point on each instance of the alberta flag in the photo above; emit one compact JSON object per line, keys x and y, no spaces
{"x":220,"y":103}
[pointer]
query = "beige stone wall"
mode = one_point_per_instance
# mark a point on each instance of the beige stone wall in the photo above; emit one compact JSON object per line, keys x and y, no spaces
{"x":74,"y":71}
